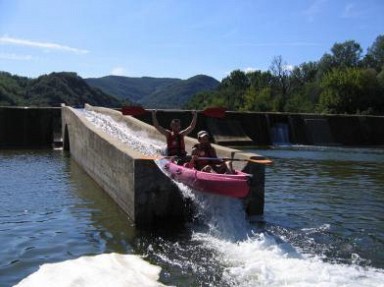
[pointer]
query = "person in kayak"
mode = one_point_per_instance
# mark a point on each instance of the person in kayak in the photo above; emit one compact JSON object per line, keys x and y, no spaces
{"x":204,"y":149}
{"x":174,"y":135}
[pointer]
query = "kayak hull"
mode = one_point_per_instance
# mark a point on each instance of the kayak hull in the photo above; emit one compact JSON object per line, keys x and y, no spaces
{"x":234,"y":185}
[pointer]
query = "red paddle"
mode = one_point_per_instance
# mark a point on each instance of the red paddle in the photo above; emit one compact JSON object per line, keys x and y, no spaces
{"x":213,"y":112}
{"x":133,"y":111}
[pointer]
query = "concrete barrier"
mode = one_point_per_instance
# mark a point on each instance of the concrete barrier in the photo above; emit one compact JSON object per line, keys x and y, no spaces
{"x":346,"y":130}
{"x":137,"y":185}
{"x":121,"y":172}
{"x":28,"y":127}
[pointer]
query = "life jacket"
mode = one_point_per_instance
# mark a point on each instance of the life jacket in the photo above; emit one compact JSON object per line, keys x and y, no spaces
{"x":203,"y":151}
{"x":175,"y":145}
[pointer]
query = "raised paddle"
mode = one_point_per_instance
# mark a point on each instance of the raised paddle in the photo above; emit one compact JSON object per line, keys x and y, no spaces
{"x":213,"y":112}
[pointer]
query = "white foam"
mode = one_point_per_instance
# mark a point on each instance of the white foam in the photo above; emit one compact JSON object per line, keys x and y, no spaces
{"x":138,"y":140}
{"x":262,"y":262}
{"x":103,"y":270}
{"x":257,"y":259}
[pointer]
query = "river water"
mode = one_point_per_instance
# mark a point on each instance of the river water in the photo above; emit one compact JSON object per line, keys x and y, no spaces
{"x":323,"y":226}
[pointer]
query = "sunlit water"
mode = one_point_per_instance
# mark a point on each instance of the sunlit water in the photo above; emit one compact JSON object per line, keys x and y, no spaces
{"x":323,"y":225}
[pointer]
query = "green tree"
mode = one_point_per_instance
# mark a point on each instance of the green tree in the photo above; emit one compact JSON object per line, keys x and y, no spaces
{"x":347,"y":54}
{"x":233,"y":88}
{"x":343,"y":55}
{"x":349,"y":90}
{"x":258,"y":100}
{"x":282,"y":81}
{"x":375,"y":55}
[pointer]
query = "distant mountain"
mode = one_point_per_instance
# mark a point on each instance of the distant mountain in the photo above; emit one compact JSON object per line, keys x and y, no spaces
{"x":111,"y":91}
{"x":52,"y":90}
{"x":154,"y":92}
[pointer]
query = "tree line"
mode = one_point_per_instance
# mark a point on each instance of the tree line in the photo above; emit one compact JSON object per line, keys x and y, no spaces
{"x":343,"y":81}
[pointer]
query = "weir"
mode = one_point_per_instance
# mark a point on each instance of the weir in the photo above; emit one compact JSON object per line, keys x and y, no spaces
{"x":128,"y":178}
{"x":135,"y":183}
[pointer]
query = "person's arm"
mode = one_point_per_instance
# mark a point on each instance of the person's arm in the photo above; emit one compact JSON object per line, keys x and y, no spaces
{"x":194,"y":156}
{"x":156,"y":124}
{"x":191,"y":126}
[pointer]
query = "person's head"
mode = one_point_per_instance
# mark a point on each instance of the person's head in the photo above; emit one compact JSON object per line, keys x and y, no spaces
{"x":175,"y":125}
{"x":203,"y":137}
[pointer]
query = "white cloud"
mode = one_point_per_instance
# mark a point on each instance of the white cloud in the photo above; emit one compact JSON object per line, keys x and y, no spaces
{"x":250,"y":70}
{"x":351,"y":11}
{"x":118,"y":71}
{"x":17,"y":57}
{"x":314,"y":10}
{"x":288,"y":67}
{"x":5,"y":40}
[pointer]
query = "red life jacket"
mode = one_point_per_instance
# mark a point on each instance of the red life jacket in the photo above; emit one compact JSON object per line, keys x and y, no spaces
{"x":175,"y":145}
{"x":203,"y":151}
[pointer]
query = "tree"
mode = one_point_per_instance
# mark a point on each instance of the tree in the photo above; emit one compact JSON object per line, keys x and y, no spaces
{"x":349,"y":90}
{"x":375,"y":55}
{"x":347,"y":54}
{"x":282,"y":82}
{"x":259,"y":79}
{"x":344,"y":55}
{"x":234,"y":87}
{"x":304,"y":73}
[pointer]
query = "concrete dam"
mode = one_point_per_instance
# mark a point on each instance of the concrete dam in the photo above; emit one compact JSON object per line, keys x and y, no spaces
{"x":136,"y":183}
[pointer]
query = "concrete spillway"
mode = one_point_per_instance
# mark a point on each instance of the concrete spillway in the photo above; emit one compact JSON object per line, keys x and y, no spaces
{"x":135,"y":183}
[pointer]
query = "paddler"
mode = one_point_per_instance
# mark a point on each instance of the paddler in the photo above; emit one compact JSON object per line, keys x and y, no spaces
{"x":175,"y":136}
{"x":204,"y":149}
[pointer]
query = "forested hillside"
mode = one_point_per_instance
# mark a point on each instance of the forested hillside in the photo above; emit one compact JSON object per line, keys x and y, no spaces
{"x":179,"y":93}
{"x":155,"y":92}
{"x":51,"y":90}
{"x":344,"y":81}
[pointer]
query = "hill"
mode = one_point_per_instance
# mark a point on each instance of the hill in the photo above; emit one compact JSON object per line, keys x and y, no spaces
{"x":51,"y":90}
{"x":154,"y":92}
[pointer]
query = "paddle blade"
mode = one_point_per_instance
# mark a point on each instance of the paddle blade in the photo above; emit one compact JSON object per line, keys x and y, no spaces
{"x":261,"y":161}
{"x":214,"y":112}
{"x":133,"y":111}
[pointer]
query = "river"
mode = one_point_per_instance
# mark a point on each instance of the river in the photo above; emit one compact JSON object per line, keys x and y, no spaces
{"x":323,"y":226}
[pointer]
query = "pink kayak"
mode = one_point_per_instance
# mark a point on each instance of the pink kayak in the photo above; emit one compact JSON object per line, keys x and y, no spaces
{"x":234,"y":185}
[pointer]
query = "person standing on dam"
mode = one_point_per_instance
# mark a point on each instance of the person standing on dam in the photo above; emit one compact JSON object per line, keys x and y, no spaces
{"x":174,"y":135}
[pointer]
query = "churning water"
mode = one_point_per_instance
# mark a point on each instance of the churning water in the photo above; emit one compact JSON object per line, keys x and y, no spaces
{"x":323,"y":225}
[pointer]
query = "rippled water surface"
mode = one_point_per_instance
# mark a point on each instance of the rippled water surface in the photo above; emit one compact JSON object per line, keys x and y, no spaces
{"x":333,"y":196}
{"x":50,"y":211}
{"x":323,"y":224}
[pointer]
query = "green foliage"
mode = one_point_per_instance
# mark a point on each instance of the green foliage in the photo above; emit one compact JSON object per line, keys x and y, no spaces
{"x":349,"y":90}
{"x":51,"y":90}
{"x":178,"y":93}
{"x":258,"y":100}
{"x":342,"y":81}
{"x":375,"y":55}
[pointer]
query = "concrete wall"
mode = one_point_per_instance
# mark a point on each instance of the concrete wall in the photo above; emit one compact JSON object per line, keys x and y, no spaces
{"x":121,"y":172}
{"x":24,"y":127}
{"x":305,"y":129}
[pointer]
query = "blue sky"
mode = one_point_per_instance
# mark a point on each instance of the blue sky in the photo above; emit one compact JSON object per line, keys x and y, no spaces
{"x":176,"y":38}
